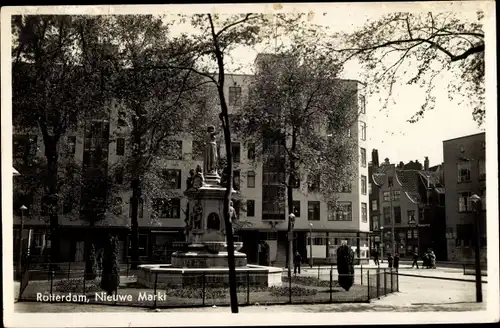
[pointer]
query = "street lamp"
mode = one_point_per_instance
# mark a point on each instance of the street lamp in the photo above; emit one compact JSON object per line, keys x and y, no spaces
{"x":310,"y":245}
{"x":382,"y":244}
{"x":19,"y":266}
{"x":291,"y":222}
{"x":476,"y":200}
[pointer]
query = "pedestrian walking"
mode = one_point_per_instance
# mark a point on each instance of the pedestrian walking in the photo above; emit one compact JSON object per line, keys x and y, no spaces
{"x":415,"y":260}
{"x":296,"y":261}
{"x":433,"y":259}
{"x":390,"y":260}
{"x":375,"y":257}
{"x":396,"y":261}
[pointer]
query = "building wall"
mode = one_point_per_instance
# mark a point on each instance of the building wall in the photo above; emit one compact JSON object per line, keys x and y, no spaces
{"x":187,"y":163}
{"x":461,"y":150}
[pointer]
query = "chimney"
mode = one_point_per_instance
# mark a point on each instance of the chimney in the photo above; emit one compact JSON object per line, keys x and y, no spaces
{"x":386,"y":162}
{"x":426,"y":163}
{"x":375,"y":158}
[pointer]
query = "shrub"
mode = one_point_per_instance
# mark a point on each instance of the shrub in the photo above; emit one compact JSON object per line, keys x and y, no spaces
{"x":91,"y":265}
{"x":311,"y":281}
{"x":110,"y":269}
{"x":76,"y":286}
{"x":296,"y":291}
{"x":345,"y":266}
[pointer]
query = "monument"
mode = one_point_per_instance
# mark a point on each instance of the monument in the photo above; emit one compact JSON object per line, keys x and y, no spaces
{"x":205,"y":250}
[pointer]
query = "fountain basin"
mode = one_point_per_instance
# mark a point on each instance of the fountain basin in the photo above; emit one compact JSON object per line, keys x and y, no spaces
{"x":167,"y":276}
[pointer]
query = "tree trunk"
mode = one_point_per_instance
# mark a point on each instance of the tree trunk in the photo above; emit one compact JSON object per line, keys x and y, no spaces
{"x":134,"y":233}
{"x":52,"y":199}
{"x":289,"y":191}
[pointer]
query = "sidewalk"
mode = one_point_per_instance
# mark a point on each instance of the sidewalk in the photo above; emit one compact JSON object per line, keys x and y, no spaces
{"x":444,"y":273}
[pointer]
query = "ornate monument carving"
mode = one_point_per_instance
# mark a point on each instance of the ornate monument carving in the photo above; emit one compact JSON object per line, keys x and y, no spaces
{"x":197,"y":216}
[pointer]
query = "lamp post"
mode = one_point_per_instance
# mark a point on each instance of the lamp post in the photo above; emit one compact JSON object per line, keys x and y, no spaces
{"x":19,"y":261}
{"x":382,"y":244}
{"x":310,"y":246}
{"x":393,"y":235}
{"x":476,"y":200}
{"x":291,"y":221}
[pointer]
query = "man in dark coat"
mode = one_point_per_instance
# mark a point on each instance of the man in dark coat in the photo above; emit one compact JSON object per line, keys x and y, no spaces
{"x":296,"y":261}
{"x":396,"y":261}
{"x":415,"y":260}
{"x":375,"y":257}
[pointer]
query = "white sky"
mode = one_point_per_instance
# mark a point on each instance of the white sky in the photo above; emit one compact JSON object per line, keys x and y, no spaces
{"x":388,"y":130}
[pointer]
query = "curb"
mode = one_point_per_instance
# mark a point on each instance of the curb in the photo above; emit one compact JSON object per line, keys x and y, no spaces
{"x":440,"y":278}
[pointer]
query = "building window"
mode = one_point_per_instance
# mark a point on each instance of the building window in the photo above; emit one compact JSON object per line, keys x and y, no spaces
{"x":362,"y":104}
{"x":236,"y":149}
{"x":68,"y":204}
{"x":482,"y":169}
{"x":140,"y":208}
{"x":122,"y":118}
{"x":409,"y":234}
{"x":362,"y":126}
{"x":164,"y":208}
{"x":120,"y":147}
{"x":236,"y":179}
{"x":346,"y":188}
{"x":119,"y":173}
{"x":464,"y":203}
{"x":314,"y":182}
{"x":396,"y":195}
{"x":411,"y":216}
{"x":250,"y":208}
{"x":364,"y":213}
{"x":374,"y":205}
{"x":197,"y":150}
{"x":463,"y":170}
{"x":117,"y":206}
{"x":363,"y":157}
{"x":296,"y":208}
{"x":172,"y":149}
{"x":24,"y":146}
{"x":234,"y":96}
{"x":251,"y":152}
{"x":387,"y":196}
{"x":375,"y":222}
{"x":464,"y":235}
{"x":397,"y":214}
{"x":363,"y":185}
{"x":142,"y":243}
{"x":483,"y":199}
{"x":250,"y":179}
{"x":173,"y":178}
{"x":313,"y":211}
{"x":390,"y":181}
{"x":387,"y":215}
{"x":71,"y":144}
{"x":340,"y":211}
{"x":370,"y":188}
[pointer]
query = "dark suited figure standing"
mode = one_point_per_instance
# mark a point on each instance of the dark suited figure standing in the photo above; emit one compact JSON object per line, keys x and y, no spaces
{"x":415,"y":260}
{"x":296,"y":261}
{"x":375,"y":257}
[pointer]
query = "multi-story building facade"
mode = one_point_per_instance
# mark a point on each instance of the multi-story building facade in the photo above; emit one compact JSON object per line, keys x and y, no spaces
{"x":100,"y":143}
{"x":464,"y":175}
{"x":410,"y":202}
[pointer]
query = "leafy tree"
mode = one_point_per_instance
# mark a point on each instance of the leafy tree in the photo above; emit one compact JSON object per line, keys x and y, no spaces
{"x":298,"y":115}
{"x":420,"y":47}
{"x":110,"y":279}
{"x":54,"y":88}
{"x":156,"y":101}
{"x":345,"y":266}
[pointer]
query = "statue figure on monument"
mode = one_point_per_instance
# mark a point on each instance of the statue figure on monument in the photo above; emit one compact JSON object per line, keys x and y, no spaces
{"x":189,"y":181}
{"x":197,"y":216}
{"x":198,"y":180}
{"x":232,"y":217}
{"x":210,"y":163}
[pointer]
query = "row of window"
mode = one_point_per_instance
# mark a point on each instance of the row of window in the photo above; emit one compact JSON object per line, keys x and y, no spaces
{"x":464,"y":170}
{"x":387,"y":217}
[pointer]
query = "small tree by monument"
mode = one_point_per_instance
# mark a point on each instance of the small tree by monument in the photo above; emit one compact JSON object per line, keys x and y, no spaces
{"x":345,"y":266}
{"x":91,"y":265}
{"x":110,"y":267}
